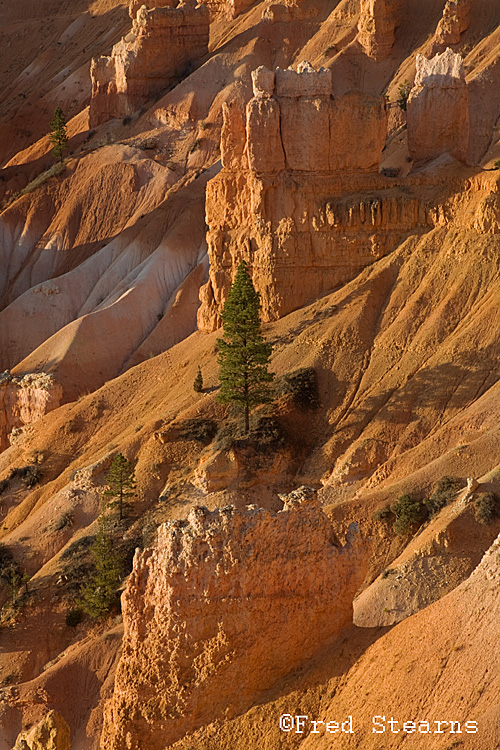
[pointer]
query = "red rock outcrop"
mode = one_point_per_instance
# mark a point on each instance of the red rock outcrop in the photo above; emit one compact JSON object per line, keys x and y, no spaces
{"x":299,"y":194}
{"x":377,"y":23}
{"x":438,"y":109}
{"x":455,"y":20}
{"x":164,"y":40}
{"x":24,"y":400}
{"x":228,"y":602}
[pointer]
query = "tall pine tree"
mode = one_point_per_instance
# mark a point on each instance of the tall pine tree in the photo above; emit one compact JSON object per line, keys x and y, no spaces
{"x":243,"y":354}
{"x":121,"y":483}
{"x":58,"y":136}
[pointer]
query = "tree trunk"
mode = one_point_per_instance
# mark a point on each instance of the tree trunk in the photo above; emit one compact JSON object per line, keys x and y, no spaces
{"x":247,"y":408}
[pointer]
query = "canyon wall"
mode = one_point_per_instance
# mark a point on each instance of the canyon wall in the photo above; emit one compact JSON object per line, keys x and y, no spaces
{"x":24,"y":400}
{"x":164,"y":41}
{"x":227,"y":603}
{"x":300,"y":195}
{"x":438,"y":109}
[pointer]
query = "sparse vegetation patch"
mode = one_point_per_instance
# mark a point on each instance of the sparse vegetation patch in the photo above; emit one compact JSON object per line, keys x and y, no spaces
{"x":409,"y":512}
{"x":302,"y":386}
{"x":201,"y":430}
{"x":487,"y":508}
{"x":265,"y":435}
{"x":444,"y":491}
{"x":382,"y":514}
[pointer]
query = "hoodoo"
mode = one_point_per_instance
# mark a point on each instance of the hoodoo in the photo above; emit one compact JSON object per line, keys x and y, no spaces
{"x":377,"y":23}
{"x":455,"y":20}
{"x":165,"y":39}
{"x":300,"y":194}
{"x":196,"y":622}
{"x":438,"y":109}
{"x":348,"y":151}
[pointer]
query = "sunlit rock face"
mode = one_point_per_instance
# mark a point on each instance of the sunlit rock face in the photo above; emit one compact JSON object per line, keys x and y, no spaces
{"x":280,"y":201}
{"x":438,"y":109}
{"x":227,"y":598}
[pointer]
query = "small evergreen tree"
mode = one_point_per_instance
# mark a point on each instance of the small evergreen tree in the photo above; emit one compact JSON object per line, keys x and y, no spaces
{"x":198,"y":381}
{"x":99,"y":594}
{"x":14,"y":578}
{"x":12,"y":575}
{"x":404,"y":93}
{"x":243,"y":354}
{"x":58,"y":136}
{"x":121,"y":483}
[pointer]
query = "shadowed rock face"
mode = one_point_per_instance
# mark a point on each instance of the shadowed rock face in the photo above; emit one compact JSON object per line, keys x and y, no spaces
{"x":163,"y":41}
{"x":227,"y":599}
{"x":438,"y":109}
{"x":455,"y":20}
{"x":376,"y":26}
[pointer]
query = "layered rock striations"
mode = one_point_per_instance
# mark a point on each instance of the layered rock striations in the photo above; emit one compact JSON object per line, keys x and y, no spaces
{"x":24,"y":400}
{"x":228,"y":602}
{"x":376,"y":26}
{"x":438,"y":109}
{"x":163,"y":42}
{"x":455,"y":20}
{"x":300,"y":197}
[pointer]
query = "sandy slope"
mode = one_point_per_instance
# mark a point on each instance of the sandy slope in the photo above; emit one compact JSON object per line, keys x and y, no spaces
{"x":348,"y":336}
{"x":101,"y":269}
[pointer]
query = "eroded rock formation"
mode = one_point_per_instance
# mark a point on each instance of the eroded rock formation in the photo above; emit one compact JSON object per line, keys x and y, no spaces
{"x":24,"y":400}
{"x":438,"y":109}
{"x":227,"y":599}
{"x":228,"y":8}
{"x":455,"y":20}
{"x":299,"y":195}
{"x":52,"y":733}
{"x":165,"y":39}
{"x":377,"y":23}
{"x":281,"y":12}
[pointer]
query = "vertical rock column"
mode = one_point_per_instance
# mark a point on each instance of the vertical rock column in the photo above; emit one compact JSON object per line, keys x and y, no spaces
{"x":377,"y":22}
{"x":265,"y":149}
{"x":455,"y":20}
{"x":438,"y":109}
{"x":305,"y":97}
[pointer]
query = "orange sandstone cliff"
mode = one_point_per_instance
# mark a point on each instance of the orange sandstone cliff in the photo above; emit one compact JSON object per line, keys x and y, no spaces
{"x":200,"y":641}
{"x":373,"y":237}
{"x":438,"y":109}
{"x":24,"y":400}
